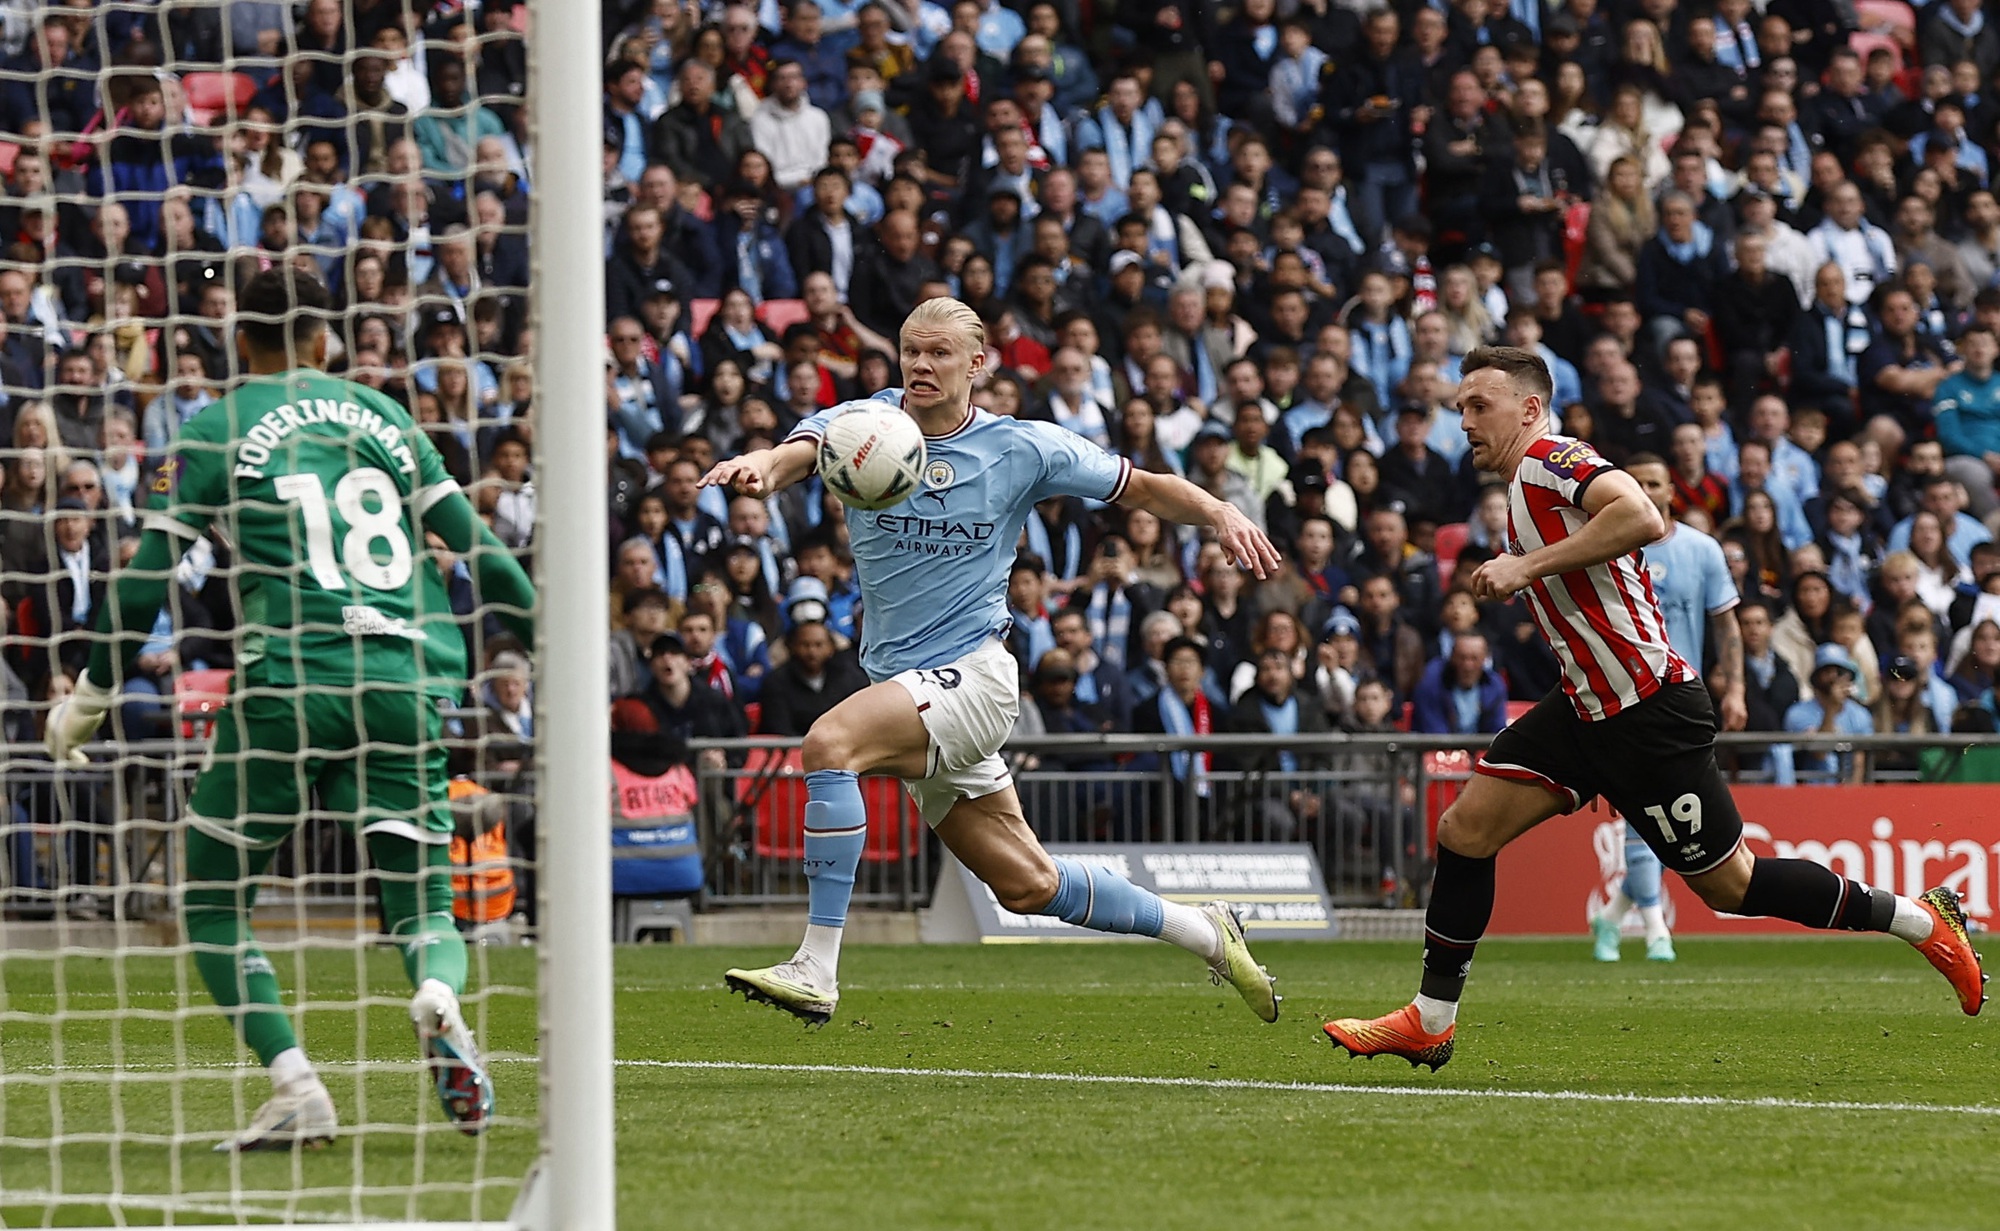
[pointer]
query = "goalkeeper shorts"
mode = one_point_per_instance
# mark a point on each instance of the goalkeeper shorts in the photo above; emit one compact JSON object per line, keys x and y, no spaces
{"x":371,"y":758}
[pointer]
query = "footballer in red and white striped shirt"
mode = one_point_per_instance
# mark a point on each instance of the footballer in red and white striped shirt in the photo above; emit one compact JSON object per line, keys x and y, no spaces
{"x":1602,"y":620}
{"x":1631,"y":722}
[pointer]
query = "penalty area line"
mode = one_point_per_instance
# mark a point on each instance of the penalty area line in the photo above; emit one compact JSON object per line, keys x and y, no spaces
{"x":1316,"y":1087}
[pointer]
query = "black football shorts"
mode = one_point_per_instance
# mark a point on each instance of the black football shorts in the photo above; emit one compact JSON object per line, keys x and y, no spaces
{"x":1654,"y":762}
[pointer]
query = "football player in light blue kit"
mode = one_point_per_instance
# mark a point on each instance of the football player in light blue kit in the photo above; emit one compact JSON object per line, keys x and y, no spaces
{"x":945,"y":691}
{"x":1691,"y":581}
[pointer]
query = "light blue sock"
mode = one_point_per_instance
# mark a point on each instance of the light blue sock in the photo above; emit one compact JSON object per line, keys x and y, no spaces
{"x":1642,"y":872}
{"x":836,"y":830}
{"x":1103,"y":901}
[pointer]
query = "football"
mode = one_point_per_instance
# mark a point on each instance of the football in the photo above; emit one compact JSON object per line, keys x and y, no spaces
{"x":871,"y":458}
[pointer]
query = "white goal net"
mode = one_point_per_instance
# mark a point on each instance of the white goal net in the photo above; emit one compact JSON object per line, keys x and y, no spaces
{"x":321,"y":765}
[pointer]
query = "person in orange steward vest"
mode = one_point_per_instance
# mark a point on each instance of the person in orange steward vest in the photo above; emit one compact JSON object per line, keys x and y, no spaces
{"x":484,"y":891}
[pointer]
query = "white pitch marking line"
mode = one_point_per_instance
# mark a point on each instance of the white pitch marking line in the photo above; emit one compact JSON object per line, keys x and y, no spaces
{"x":135,"y":1201}
{"x":1104,"y":1079}
{"x":1309,"y":1087}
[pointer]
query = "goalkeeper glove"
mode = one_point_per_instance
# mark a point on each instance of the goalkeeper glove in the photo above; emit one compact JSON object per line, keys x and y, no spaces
{"x":75,"y":719}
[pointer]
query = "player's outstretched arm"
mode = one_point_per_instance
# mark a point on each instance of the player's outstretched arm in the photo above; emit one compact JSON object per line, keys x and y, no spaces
{"x":1172,"y":498}
{"x":763,"y":472}
{"x":123,"y":625}
{"x":1622,"y":520}
{"x":497,"y":576}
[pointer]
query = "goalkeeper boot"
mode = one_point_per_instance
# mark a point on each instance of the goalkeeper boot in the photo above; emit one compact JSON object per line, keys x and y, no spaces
{"x":1236,"y":967}
{"x":794,"y":986}
{"x":1604,"y":937}
{"x":464,"y":1089}
{"x":1394,"y":1034}
{"x":1950,"y":950}
{"x":294,"y":1118}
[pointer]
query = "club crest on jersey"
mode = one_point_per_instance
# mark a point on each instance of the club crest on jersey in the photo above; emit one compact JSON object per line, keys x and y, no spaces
{"x":939,"y":474}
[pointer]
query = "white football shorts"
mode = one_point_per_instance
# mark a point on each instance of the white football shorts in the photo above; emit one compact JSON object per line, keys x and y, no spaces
{"x":968,"y":706}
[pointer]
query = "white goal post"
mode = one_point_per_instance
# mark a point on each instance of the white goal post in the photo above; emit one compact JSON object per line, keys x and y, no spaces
{"x":568,"y":289}
{"x":90,"y":1039}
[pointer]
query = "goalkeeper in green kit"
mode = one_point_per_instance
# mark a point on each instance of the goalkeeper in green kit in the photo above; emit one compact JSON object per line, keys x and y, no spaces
{"x":323,"y":490}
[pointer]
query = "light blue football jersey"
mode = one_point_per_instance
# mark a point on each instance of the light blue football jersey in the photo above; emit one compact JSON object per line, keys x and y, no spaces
{"x":933,"y":569}
{"x":1691,"y":581}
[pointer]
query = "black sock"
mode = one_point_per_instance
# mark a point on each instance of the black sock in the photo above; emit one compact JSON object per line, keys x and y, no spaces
{"x":1461,"y":905}
{"x":1806,"y":893}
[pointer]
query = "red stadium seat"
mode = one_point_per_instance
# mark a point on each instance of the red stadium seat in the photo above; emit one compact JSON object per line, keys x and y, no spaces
{"x":700,"y":312}
{"x":774,"y":778}
{"x":9,"y":151}
{"x":1866,"y":44}
{"x":1450,"y":541}
{"x":217,"y":96}
{"x":1711,"y":341}
{"x":1445,"y":773}
{"x":198,"y":695}
{"x":1576,"y":228}
{"x":894,"y":825}
{"x":753,"y":717}
{"x":774,"y":781}
{"x":781,"y":314}
{"x":1517,"y":708}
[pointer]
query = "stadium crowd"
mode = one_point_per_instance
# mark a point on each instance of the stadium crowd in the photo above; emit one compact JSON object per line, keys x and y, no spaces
{"x":1248,"y":242}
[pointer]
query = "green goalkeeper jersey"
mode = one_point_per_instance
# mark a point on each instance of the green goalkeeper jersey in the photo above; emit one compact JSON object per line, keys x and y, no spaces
{"x":318,"y":487}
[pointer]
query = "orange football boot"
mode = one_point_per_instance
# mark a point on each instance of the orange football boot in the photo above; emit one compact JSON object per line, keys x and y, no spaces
{"x":1950,"y":949}
{"x":1394,"y":1034}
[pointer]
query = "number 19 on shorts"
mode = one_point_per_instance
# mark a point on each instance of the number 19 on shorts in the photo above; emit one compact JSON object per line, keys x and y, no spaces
{"x":1686,"y":812}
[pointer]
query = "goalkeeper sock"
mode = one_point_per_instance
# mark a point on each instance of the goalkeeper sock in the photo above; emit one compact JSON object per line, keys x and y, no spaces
{"x":416,"y":908}
{"x":290,"y":1072}
{"x":215,"y":913}
{"x":432,"y":950}
{"x":1097,"y":898}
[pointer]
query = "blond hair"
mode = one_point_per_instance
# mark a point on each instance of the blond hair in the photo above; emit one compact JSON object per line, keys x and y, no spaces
{"x":945,"y":312}
{"x":1902,"y":561}
{"x":37,"y":414}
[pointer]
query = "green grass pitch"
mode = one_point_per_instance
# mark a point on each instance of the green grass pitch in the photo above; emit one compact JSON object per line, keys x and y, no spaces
{"x":1734,"y":1051}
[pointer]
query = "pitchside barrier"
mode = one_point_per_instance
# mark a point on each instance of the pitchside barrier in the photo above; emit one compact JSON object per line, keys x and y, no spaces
{"x":1366,"y":807}
{"x":1274,"y":887}
{"x":100,"y":845}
